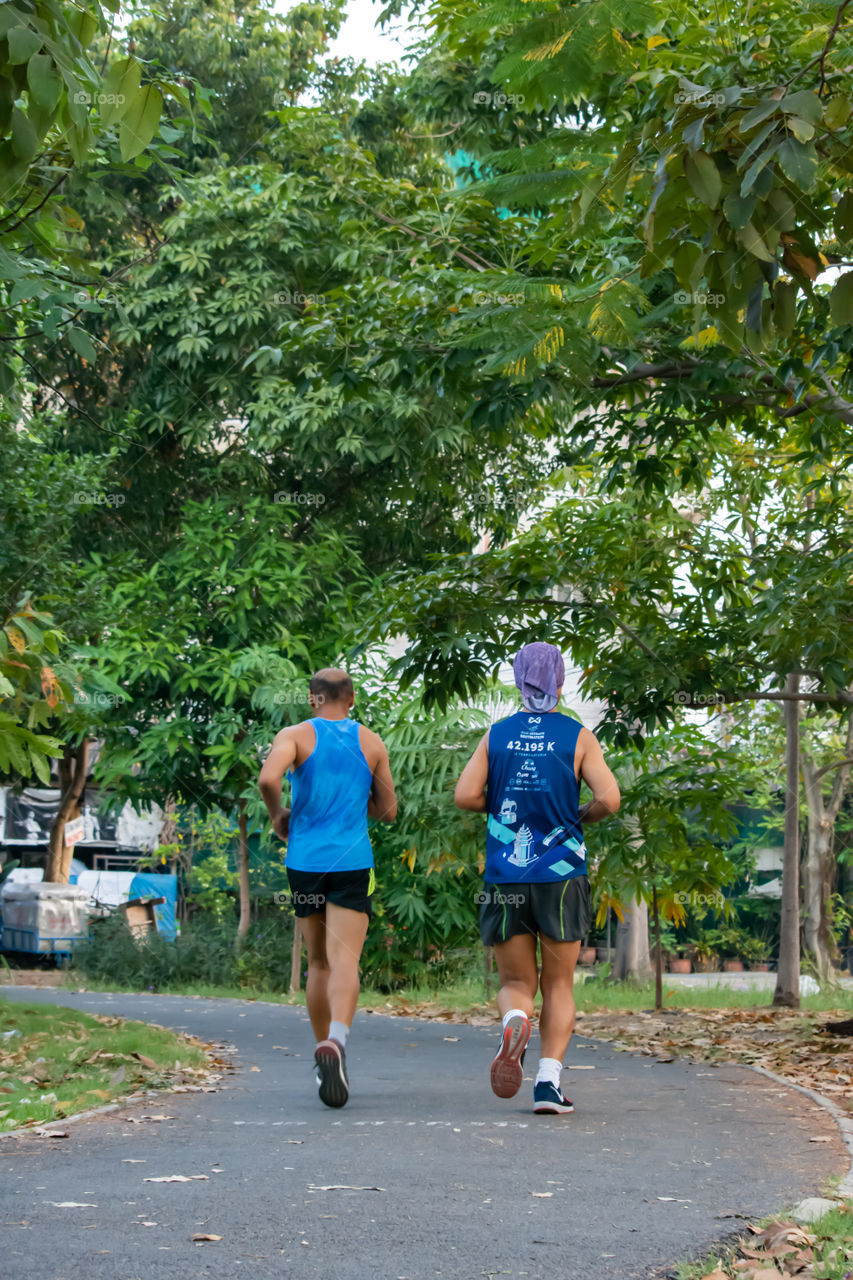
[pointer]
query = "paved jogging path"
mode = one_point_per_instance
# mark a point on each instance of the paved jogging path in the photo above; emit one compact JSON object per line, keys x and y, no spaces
{"x":657,"y":1162}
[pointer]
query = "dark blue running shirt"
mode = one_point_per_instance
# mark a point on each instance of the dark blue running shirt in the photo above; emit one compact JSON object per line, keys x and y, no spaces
{"x":534,"y":832}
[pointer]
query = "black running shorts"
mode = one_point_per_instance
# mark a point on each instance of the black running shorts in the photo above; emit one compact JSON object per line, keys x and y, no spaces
{"x":561,"y":909}
{"x":311,"y":890}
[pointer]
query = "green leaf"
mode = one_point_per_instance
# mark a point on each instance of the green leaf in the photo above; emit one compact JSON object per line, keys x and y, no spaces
{"x":24,"y":137}
{"x":798,"y":161}
{"x":82,"y":343}
{"x":140,"y":121}
{"x":764,"y":109}
{"x":119,"y":89}
{"x":44,"y":81}
{"x":843,"y":217}
{"x":837,"y":112}
{"x":801,"y":129}
{"x":805,"y":104}
{"x":754,"y":242}
{"x":83,"y":26}
{"x":841,"y":300}
{"x":23,"y":43}
{"x":784,"y":306}
{"x":738,"y":209}
{"x":704,"y":178}
{"x":693,"y":134}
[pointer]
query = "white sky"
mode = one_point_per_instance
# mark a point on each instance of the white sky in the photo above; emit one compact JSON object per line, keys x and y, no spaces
{"x":362,"y":39}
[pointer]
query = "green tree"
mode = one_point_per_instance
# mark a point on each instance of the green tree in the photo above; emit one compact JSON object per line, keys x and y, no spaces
{"x":211,"y":646}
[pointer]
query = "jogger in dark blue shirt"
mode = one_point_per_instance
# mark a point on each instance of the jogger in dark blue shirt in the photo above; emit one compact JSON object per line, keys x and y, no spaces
{"x":525,"y":775}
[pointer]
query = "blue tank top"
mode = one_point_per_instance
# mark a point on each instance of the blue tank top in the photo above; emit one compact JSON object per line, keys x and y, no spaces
{"x":534,"y":832}
{"x":329,"y":793}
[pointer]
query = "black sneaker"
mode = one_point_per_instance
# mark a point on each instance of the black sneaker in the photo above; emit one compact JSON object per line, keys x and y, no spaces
{"x":548,"y":1100}
{"x":330,"y":1072}
{"x":506,"y":1072}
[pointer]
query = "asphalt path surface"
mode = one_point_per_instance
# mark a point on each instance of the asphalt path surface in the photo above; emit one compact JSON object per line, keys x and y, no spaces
{"x":425,"y":1173}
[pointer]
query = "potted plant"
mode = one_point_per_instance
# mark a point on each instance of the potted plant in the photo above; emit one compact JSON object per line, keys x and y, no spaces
{"x":755,"y":952}
{"x":681,"y":961}
{"x":705,"y":943}
{"x":587,"y":953}
{"x":731,"y":941}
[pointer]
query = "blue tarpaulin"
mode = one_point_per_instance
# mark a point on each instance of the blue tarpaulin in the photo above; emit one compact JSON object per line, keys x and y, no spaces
{"x":150,"y":885}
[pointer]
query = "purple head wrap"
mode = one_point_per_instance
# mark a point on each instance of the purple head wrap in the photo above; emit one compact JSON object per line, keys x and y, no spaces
{"x":539,"y":672}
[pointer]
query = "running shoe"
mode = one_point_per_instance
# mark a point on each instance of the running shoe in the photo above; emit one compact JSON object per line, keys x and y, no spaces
{"x":507,"y":1072}
{"x":548,"y":1100}
{"x":330,"y":1072}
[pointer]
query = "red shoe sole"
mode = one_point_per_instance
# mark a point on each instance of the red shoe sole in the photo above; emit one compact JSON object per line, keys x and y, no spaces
{"x":506,"y":1072}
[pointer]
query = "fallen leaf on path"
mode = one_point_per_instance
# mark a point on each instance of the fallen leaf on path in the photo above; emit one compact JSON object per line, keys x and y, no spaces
{"x":452,"y":1039}
{"x":200,"y":1236}
{"x":71,"y":1204}
{"x":675,"y":1199}
{"x":51,"y":1133}
{"x":341,"y":1187}
{"x":254,"y":1068}
{"x":820,"y":1139}
{"x":128,"y":1160}
{"x":146,"y":1062}
{"x":542,"y":1195}
{"x":179,"y":1177}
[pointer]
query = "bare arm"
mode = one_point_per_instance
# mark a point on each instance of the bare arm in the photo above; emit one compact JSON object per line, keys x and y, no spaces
{"x":281,"y":758}
{"x":382,"y":801}
{"x":598,"y":777}
{"x":470,"y":790}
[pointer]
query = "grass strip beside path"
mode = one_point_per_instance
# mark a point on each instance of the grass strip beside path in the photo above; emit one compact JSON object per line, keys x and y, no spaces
{"x":57,"y":1061}
{"x":821,"y":1250}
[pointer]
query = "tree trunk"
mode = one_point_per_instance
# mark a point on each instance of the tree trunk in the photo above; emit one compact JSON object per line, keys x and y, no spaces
{"x":73,"y":768}
{"x":658,"y":954}
{"x":788,"y":976}
{"x":243,"y":873}
{"x":820,"y":867}
{"x":296,"y":957}
{"x":632,"y":959}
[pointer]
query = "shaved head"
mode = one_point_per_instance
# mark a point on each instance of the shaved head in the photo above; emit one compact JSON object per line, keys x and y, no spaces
{"x":331,"y":684}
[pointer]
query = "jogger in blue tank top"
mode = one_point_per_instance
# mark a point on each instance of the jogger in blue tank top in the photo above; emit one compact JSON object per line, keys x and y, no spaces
{"x":526,"y":775}
{"x":339,"y":776}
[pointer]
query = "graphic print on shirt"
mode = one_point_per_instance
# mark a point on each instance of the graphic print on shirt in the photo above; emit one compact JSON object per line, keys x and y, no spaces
{"x":534,"y":832}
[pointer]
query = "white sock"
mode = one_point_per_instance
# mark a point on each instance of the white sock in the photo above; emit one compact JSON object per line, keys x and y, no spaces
{"x":549,"y":1072}
{"x":513,"y":1013}
{"x":339,"y":1031}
